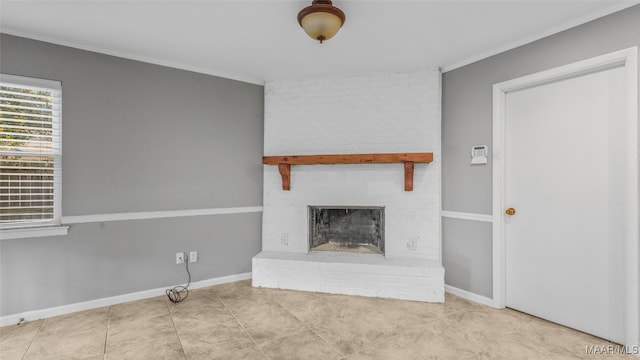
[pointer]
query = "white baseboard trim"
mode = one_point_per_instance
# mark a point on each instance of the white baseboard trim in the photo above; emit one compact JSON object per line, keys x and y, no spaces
{"x":143,"y":215}
{"x":113,"y":300}
{"x":468,"y":295}
{"x":466,"y":216}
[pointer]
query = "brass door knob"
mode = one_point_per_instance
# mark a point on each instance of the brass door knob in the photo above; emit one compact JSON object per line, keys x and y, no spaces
{"x":510,"y":211}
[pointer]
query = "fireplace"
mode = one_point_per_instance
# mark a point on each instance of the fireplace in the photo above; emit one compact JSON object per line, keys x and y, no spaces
{"x":327,"y":140}
{"x":356,"y":229}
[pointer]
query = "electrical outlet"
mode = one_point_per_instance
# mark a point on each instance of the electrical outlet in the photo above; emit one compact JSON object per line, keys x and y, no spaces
{"x":284,"y":239}
{"x":180,"y":258}
{"x":193,"y":256}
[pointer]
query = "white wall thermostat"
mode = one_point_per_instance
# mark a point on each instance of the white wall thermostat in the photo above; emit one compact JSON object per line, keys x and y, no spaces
{"x":479,"y":154}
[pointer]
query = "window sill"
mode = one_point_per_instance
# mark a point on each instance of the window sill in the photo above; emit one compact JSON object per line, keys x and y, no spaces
{"x":10,"y":234}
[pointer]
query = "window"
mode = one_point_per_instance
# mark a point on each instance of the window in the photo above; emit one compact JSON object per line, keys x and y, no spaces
{"x":30,"y":152}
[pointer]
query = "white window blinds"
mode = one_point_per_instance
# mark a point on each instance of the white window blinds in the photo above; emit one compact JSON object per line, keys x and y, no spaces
{"x":30,"y":152}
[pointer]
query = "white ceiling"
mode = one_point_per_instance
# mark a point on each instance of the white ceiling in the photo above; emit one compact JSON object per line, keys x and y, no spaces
{"x":261,"y":40}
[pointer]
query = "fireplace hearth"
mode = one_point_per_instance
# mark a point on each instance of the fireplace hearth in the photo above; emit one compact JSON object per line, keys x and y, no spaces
{"x":356,"y":229}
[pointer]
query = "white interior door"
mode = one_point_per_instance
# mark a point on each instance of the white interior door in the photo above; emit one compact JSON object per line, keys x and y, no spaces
{"x":565,"y":174}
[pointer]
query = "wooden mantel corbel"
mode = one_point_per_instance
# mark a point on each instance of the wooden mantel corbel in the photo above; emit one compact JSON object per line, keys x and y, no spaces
{"x":409,"y":159}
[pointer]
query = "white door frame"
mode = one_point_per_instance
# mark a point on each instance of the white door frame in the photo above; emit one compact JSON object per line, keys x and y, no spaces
{"x":628,"y":59}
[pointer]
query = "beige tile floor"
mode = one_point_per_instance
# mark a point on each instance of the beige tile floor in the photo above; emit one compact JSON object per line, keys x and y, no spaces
{"x":236,"y":321}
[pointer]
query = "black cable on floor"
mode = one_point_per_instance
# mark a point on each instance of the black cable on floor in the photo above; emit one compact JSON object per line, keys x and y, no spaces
{"x":179,"y":293}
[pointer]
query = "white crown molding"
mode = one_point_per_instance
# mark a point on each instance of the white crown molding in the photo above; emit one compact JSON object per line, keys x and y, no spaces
{"x":113,"y":300}
{"x":150,"y":60}
{"x":81,"y":219}
{"x":548,"y":32}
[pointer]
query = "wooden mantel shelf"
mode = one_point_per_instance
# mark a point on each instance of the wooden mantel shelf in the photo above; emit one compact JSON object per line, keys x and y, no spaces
{"x":284,"y":163}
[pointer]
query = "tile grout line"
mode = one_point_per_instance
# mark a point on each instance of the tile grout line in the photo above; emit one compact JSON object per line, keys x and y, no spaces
{"x":310,"y":329}
{"x":302,"y":322}
{"x":371,"y":346}
{"x":243,"y":328}
{"x":175,"y":328}
{"x":32,"y":340}
{"x":277,"y":337}
{"x":106,"y":336}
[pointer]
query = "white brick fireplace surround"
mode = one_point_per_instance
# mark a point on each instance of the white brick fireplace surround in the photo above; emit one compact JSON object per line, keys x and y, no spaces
{"x":388,"y":112}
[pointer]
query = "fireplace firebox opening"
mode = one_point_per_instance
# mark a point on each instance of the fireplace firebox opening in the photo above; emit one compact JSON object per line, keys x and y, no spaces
{"x":358,"y":229}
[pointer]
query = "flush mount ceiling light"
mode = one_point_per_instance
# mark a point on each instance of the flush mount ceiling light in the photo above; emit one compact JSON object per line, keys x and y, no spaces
{"x":321,"y":21}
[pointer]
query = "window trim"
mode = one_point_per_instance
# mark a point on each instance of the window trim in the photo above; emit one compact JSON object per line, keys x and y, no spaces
{"x":54,"y":226}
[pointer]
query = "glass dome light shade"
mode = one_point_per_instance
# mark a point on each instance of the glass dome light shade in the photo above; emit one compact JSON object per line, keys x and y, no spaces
{"x":321,"y":21}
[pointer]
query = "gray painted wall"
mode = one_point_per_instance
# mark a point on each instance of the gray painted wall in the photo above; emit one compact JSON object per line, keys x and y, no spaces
{"x":138,"y":137}
{"x":467,"y":120}
{"x":467,"y":255}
